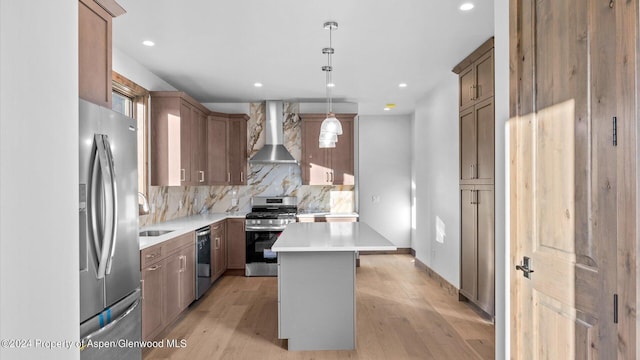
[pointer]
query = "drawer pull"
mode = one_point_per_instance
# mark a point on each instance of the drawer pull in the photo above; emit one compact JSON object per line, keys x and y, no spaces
{"x":154,"y":267}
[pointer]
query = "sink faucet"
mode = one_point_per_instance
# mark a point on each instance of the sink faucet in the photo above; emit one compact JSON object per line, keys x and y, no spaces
{"x":143,"y":209}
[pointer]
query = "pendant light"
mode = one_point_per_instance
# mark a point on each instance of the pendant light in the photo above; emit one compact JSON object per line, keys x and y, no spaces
{"x":331,"y":127}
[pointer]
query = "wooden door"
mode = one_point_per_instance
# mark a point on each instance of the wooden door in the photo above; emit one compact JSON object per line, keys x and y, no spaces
{"x":186,"y":125}
{"x":152,"y":300}
{"x":187,"y":276}
{"x":468,"y":145}
{"x":342,"y":155}
{"x":484,"y":77}
{"x":173,"y":271}
{"x":468,"y":237}
{"x":236,"y":244}
{"x":467,"y":83}
{"x":565,"y":214}
{"x":94,"y":53}
{"x":217,"y":167}
{"x":218,"y":250}
{"x":485,"y":251}
{"x":198,"y":147}
{"x":238,"y":151}
{"x":484,"y":120}
{"x":316,"y":164}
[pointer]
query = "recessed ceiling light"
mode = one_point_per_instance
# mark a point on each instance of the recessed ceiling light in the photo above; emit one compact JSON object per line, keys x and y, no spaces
{"x":148,"y":43}
{"x":402,"y":85}
{"x":331,"y":85}
{"x":257,"y":84}
{"x":386,"y":109}
{"x":466,"y":6}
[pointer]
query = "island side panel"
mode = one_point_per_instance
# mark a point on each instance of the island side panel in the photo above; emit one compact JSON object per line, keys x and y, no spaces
{"x":316,"y":295}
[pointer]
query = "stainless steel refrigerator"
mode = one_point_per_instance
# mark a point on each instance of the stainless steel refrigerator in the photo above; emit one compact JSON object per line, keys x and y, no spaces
{"x":110,"y":308}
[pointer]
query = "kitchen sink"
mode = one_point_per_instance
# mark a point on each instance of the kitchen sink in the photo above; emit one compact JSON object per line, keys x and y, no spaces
{"x":154,"y":232}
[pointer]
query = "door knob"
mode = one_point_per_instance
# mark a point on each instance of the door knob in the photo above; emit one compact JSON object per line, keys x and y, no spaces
{"x":525,"y":267}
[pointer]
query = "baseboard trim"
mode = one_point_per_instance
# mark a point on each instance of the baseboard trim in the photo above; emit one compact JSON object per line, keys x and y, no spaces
{"x":447,"y":286}
{"x":398,"y":251}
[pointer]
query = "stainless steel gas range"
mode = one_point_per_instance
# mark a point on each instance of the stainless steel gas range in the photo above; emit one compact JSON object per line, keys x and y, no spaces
{"x":268,"y":218}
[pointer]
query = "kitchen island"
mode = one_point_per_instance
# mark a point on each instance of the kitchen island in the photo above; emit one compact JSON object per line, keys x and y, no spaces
{"x":317,"y":282}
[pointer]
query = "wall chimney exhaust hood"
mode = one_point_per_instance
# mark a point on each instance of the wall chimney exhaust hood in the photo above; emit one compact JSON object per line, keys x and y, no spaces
{"x":274,"y":151}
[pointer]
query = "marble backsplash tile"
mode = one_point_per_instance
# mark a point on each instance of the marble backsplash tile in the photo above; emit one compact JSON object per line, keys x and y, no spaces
{"x":169,"y":203}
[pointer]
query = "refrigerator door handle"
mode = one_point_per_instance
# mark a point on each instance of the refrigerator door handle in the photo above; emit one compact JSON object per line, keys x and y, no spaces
{"x":110,"y":325}
{"x":114,"y":193}
{"x":101,"y":164}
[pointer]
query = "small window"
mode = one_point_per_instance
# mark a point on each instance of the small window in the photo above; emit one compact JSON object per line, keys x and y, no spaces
{"x":122,"y":103}
{"x":132,"y":100}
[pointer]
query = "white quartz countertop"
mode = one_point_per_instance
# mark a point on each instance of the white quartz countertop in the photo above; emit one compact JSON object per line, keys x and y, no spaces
{"x":182,"y":226}
{"x":311,"y":237}
{"x":309,"y":214}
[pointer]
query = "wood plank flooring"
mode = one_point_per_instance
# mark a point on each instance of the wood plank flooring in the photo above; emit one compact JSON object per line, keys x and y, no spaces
{"x":401,"y":314}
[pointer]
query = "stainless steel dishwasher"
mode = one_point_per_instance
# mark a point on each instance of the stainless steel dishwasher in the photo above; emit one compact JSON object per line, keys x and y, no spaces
{"x":203,"y":261}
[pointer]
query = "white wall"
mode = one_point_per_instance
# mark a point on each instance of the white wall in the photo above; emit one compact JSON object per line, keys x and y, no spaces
{"x":501,"y":103}
{"x":436,"y":178}
{"x":39,"y":290}
{"x":384,"y":171}
{"x":126,"y":66}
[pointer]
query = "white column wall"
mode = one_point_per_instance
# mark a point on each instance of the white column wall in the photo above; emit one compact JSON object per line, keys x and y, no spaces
{"x":436,"y":179}
{"x":39,"y":291}
{"x":384,"y":176}
{"x":501,"y":106}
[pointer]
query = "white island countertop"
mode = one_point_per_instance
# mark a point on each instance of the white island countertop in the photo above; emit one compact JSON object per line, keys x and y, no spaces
{"x":313,"y":237}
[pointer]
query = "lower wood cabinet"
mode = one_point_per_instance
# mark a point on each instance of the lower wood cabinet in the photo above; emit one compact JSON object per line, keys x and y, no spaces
{"x":477,"y":245}
{"x":236,"y":244}
{"x":218,"y":249}
{"x":168,"y":282}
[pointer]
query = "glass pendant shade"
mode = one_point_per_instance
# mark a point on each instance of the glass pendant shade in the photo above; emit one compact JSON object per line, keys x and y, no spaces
{"x":331,"y":124}
{"x":327,"y":144}
{"x":328,"y":136}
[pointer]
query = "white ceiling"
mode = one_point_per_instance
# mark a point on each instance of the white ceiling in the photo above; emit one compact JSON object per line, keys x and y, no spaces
{"x":217,"y":50}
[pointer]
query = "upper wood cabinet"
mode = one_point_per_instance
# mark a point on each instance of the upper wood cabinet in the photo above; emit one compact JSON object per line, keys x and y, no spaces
{"x":237,"y":145}
{"x":217,"y":150}
{"x":477,"y":121}
{"x":477,"y":144}
{"x":178,"y":138}
{"x":94,"y":53}
{"x":327,"y":166}
{"x":476,"y":76}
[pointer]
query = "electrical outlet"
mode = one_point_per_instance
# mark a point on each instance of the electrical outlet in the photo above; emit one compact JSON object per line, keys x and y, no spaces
{"x":375,"y":199}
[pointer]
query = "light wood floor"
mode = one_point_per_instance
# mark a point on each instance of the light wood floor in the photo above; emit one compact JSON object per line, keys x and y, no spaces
{"x":401,"y":314}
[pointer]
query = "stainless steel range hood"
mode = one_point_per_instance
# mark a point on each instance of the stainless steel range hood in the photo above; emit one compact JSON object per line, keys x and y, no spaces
{"x":274,"y":151}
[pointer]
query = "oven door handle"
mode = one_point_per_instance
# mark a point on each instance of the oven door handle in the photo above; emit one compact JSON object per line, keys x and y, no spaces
{"x":264,"y":228}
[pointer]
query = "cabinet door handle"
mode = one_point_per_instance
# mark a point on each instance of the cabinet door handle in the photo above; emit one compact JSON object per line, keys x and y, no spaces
{"x":154,"y":267}
{"x":151,"y":256}
{"x":142,"y":286}
{"x":470,"y":196}
{"x":201,"y":176}
{"x":470,"y":90}
{"x":183,"y":175}
{"x":477,"y":199}
{"x":478,"y":91}
{"x":327,"y":173}
{"x":471,"y":171}
{"x":241,"y":176}
{"x":228,"y":177}
{"x":332,"y":179}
